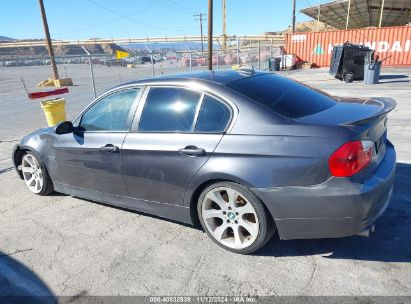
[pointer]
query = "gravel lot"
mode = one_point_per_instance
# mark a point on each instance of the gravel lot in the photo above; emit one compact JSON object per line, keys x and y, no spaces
{"x":62,"y":245}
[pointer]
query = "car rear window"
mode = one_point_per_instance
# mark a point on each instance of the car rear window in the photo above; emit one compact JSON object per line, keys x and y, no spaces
{"x":283,"y":96}
{"x":213,"y":117}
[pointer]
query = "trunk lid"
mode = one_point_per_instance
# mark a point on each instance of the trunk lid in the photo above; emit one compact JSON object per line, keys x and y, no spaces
{"x":352,"y":112}
{"x":367,"y":117}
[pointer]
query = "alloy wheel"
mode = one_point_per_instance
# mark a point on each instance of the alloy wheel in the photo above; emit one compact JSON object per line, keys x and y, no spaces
{"x":230,"y":218}
{"x":32,"y":173}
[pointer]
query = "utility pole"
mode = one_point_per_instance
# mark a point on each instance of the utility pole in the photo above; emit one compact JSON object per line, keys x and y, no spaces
{"x":210,"y":34}
{"x":224,"y":26}
{"x":48,"y":40}
{"x":201,"y":19}
{"x":293,"y":18}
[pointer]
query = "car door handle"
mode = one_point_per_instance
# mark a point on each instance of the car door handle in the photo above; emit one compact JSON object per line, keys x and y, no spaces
{"x":192,"y":151}
{"x":110,"y":148}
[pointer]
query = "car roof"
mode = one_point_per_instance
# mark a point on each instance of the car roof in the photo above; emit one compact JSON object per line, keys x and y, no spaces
{"x":218,"y":77}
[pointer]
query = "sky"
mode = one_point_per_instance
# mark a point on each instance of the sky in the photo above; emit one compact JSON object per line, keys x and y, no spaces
{"x":83,"y":19}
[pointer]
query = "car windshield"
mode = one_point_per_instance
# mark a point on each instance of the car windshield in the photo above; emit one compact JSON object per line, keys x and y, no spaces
{"x":283,"y":96}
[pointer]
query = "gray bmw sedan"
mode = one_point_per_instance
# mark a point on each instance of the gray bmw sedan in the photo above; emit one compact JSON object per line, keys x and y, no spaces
{"x":243,"y":153}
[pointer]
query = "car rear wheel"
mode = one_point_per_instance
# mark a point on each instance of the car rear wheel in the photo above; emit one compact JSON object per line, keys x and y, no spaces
{"x":234,"y":218}
{"x":35,"y":175}
{"x":349,"y":77}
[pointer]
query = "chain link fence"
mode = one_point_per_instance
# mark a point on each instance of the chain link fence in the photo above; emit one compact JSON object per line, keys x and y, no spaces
{"x":19,"y":115}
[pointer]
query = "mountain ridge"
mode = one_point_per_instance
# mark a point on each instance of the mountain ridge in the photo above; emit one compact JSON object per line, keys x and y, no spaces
{"x":4,"y":38}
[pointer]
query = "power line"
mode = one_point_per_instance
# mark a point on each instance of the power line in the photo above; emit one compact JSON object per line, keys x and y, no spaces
{"x":134,"y":20}
{"x":169,"y":5}
{"x":94,"y":25}
{"x":182,"y":6}
{"x":308,"y":3}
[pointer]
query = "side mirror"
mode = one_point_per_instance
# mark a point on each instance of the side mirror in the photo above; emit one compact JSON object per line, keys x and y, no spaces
{"x":64,"y":127}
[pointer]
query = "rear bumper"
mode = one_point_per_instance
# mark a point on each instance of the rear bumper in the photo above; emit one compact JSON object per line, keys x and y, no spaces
{"x":336,"y":208}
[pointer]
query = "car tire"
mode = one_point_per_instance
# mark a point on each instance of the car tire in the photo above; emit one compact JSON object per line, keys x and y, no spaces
{"x":349,"y":77}
{"x":35,"y":175}
{"x":234,"y":218}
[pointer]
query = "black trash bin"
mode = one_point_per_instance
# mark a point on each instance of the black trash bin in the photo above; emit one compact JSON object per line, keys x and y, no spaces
{"x":277,"y":62}
{"x":274,"y":64}
{"x":347,"y":61}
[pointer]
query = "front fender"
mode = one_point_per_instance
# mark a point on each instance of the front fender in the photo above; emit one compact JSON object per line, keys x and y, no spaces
{"x":40,"y":143}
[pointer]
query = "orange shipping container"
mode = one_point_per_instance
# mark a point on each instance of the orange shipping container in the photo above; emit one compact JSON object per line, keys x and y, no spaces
{"x":316,"y":47}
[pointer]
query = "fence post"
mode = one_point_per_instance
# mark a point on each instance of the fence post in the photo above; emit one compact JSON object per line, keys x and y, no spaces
{"x":259,"y":55}
{"x":238,"y":50}
{"x":91,"y":71}
{"x":271,"y":48}
{"x":151,"y":59}
{"x":152,"y":64}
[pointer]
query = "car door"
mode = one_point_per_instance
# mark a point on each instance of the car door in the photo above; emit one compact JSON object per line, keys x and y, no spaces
{"x":169,"y":142}
{"x":90,"y":158}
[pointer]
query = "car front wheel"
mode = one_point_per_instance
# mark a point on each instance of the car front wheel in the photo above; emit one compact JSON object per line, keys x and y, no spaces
{"x":234,"y":218}
{"x":35,"y":175}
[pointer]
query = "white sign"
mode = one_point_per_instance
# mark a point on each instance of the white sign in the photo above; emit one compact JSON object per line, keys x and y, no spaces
{"x":298,"y":38}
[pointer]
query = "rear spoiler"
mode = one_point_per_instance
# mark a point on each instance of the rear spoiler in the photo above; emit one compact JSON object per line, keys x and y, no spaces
{"x":386,"y":104}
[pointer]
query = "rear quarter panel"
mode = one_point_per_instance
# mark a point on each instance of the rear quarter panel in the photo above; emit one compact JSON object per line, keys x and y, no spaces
{"x":297,"y":156}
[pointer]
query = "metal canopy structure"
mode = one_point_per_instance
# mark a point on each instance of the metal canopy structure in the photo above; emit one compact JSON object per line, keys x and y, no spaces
{"x":350,"y":14}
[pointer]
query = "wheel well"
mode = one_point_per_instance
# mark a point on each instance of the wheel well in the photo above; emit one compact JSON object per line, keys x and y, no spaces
{"x":18,"y":158}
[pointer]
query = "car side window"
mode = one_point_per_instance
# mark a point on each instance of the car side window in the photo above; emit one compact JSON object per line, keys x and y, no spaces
{"x":110,"y":113}
{"x":214,"y":116}
{"x":169,"y":110}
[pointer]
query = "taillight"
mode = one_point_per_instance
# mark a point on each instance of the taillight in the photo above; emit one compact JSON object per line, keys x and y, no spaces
{"x":351,"y":158}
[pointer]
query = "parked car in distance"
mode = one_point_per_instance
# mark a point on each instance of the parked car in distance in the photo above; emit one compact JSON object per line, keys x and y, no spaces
{"x":147,"y":59}
{"x":114,"y":62}
{"x":93,"y":61}
{"x":244,"y":153}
